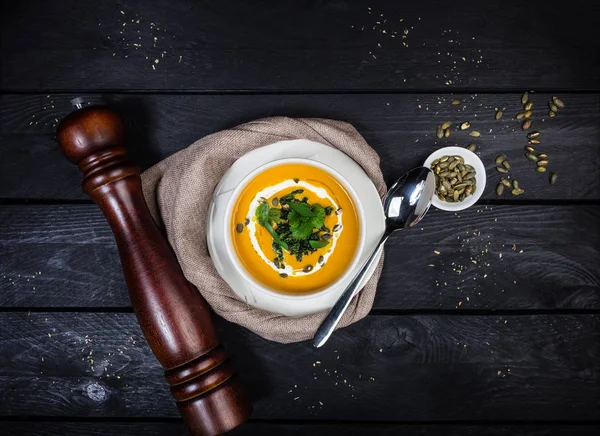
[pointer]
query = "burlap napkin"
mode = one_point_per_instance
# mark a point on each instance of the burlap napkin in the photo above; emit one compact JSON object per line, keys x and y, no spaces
{"x":178,"y":191}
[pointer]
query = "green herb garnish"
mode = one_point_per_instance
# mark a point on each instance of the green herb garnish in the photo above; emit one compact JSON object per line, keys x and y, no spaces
{"x":265,"y":216}
{"x":298,"y":224}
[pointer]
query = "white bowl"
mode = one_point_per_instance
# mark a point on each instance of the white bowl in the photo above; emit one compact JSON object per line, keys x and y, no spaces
{"x":233,"y":257}
{"x":480,"y":177}
{"x":346,"y":170}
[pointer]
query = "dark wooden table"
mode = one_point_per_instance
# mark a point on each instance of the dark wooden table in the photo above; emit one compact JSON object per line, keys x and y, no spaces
{"x":486,"y":321}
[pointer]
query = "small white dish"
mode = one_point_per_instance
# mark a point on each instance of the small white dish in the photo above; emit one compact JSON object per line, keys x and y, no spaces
{"x":340,"y":165}
{"x":480,"y":176}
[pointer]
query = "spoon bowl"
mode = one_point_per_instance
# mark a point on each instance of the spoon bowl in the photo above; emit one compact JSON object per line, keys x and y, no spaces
{"x":405,"y":204}
{"x":409,"y":199}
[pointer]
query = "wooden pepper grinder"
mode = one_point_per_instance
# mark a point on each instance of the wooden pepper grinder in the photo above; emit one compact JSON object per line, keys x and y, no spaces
{"x":174,"y":317}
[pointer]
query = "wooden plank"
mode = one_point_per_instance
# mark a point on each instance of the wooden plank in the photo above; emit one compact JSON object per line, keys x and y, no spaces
{"x":16,"y":428}
{"x":384,"y":368}
{"x":64,"y":256}
{"x":401,"y":128}
{"x":302,"y":45}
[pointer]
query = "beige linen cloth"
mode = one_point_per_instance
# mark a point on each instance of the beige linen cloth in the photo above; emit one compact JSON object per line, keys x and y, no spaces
{"x":178,"y":191}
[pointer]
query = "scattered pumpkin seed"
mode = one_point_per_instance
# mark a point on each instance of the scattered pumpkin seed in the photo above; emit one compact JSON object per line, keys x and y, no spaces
{"x":505,"y":182}
{"x":541,"y":169}
{"x":465,"y":125}
{"x":439,"y":132}
{"x":515,"y":184}
{"x":499,"y":114}
{"x":517,"y":191}
{"x":446,"y":124}
{"x":558,"y":102}
{"x":499,"y":189}
{"x":520,"y":115}
{"x":551,"y":113}
{"x":542,"y":156}
{"x":532,"y":157}
{"x":526,"y":124}
{"x":475,"y":133}
{"x":534,"y":141}
{"x":283,"y":275}
{"x":455,"y":101}
{"x":500,"y":158}
{"x":529,"y":148}
{"x":553,"y":178}
{"x":446,"y":133}
{"x":542,"y":162}
{"x":501,"y":169}
{"x":528,"y":114}
{"x":525,"y":98}
{"x":506,"y":164}
{"x":553,"y":107}
{"x":239,"y":227}
{"x":528,"y":106}
{"x":534,"y":134}
{"x":471,"y":147}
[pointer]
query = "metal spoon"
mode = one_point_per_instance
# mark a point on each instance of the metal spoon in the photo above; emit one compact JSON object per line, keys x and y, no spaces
{"x":405,"y":204}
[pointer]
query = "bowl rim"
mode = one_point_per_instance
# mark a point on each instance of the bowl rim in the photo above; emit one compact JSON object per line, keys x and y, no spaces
{"x":480,"y":175}
{"x":239,"y":267}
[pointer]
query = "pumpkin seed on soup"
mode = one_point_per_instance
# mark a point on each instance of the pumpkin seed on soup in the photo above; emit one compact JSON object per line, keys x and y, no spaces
{"x":239,"y":227}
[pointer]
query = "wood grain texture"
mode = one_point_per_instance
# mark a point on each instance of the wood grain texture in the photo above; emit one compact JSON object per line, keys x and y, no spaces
{"x":15,"y":428}
{"x":401,"y":128}
{"x":64,"y":256}
{"x":300,"y":45}
{"x":401,"y":368}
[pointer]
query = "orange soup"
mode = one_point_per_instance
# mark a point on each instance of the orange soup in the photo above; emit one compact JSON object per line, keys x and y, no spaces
{"x":295,"y":228}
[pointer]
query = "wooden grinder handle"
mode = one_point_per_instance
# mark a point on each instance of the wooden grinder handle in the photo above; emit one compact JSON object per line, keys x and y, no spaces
{"x":174,"y":317}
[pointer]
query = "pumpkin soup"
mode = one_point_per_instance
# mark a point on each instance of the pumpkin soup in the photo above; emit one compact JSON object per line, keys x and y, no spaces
{"x":295,"y":228}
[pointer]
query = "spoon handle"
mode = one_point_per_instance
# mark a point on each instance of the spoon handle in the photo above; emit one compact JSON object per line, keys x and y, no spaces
{"x":333,"y":317}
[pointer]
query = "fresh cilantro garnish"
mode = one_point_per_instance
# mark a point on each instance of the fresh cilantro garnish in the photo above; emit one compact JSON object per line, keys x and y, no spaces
{"x":298,"y":224}
{"x":318,"y":244}
{"x":265,"y":217}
